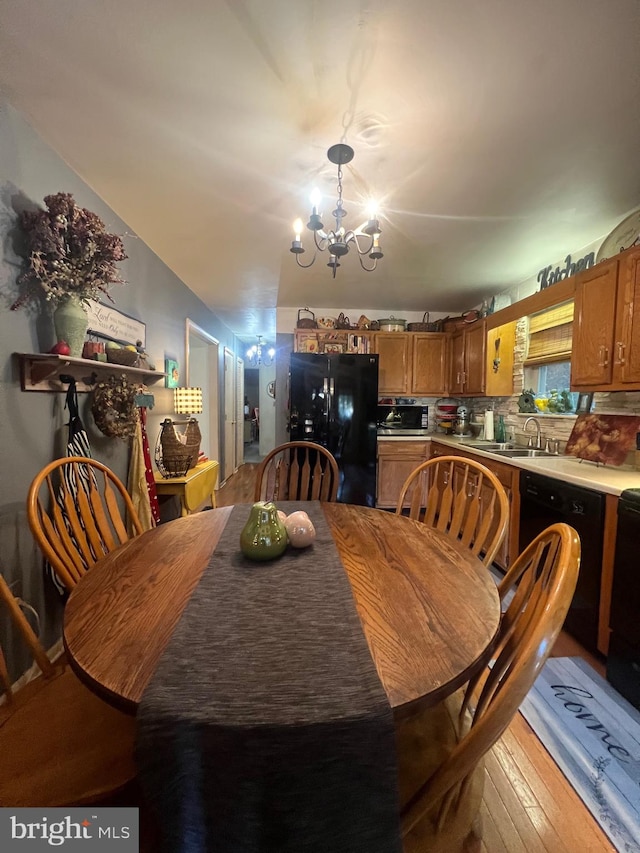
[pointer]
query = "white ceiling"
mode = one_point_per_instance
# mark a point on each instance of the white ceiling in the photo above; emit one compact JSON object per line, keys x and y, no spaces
{"x":498,"y":135}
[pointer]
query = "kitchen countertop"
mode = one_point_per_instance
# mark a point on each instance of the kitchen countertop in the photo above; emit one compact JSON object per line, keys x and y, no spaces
{"x":601,"y":478}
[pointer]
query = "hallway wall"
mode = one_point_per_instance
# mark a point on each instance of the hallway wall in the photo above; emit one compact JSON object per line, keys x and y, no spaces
{"x":32,"y":425}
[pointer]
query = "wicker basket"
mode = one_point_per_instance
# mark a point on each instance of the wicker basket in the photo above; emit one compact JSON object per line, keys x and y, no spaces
{"x":126,"y":357}
{"x":172,"y":454}
{"x":425,"y":325}
{"x":176,"y":467}
{"x":306,"y":322}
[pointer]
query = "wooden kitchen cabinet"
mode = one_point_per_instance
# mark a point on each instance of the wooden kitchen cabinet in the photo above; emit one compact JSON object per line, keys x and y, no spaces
{"x":395,"y":350}
{"x":429,"y":364}
{"x":501,"y":343}
{"x":468,"y":348}
{"x":606,"y":328}
{"x":396,"y":460}
{"x":509,"y":477}
{"x":410,"y":363}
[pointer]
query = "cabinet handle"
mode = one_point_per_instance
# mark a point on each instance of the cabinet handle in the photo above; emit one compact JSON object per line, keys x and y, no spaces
{"x":604,"y":356}
{"x":458,"y":378}
{"x":621,"y":348}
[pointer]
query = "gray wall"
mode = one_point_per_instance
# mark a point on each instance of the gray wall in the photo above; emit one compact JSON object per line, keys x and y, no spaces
{"x":32,"y":425}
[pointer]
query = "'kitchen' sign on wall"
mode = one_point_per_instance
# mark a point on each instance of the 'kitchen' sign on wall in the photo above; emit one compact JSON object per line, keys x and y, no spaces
{"x":549,"y":276}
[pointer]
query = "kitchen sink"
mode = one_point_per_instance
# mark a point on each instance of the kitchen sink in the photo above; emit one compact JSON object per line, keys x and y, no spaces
{"x":488,"y":446}
{"x":524,"y":452}
{"x":506,"y":449}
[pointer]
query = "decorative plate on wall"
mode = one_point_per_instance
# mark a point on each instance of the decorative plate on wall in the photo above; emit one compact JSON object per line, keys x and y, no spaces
{"x":623,"y":236}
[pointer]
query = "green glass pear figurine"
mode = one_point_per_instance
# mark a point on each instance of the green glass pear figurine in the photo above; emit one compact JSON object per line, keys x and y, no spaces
{"x":264,"y":536}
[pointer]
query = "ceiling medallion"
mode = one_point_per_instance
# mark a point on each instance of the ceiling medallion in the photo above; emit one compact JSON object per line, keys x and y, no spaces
{"x":338,"y":241}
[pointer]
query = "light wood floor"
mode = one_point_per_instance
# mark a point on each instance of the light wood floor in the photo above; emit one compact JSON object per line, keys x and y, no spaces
{"x":528,"y":806}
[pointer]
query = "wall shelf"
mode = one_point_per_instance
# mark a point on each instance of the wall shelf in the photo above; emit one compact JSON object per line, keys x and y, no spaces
{"x":42,"y":371}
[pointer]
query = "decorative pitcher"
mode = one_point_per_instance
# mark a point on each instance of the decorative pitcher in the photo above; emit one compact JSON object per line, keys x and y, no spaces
{"x":70,"y":322}
{"x":264,"y":536}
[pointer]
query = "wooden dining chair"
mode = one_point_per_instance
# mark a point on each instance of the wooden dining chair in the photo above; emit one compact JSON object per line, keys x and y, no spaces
{"x":461,"y":498}
{"x":77,"y":510}
{"x":297,"y":471}
{"x":441,"y":749}
{"x":60,"y":744}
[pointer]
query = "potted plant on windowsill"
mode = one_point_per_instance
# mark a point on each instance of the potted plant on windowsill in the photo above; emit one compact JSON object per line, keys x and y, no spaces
{"x":72,"y":258}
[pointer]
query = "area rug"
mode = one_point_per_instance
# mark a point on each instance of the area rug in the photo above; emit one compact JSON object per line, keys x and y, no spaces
{"x":593,"y":734}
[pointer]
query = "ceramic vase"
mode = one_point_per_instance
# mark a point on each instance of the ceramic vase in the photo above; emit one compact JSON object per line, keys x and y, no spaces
{"x":264,"y":536}
{"x":70,"y":322}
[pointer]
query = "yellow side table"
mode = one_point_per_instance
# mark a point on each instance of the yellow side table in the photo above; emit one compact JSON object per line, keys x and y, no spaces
{"x":193,"y":489}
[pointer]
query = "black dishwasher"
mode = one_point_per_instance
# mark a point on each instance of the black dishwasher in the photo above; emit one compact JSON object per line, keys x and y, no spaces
{"x":545,"y":501}
{"x":623,"y":659}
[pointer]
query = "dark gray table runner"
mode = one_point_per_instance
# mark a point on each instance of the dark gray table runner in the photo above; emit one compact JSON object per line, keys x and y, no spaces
{"x":265,"y":727}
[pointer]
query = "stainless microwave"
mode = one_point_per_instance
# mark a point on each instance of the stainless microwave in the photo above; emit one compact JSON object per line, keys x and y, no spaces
{"x":403,"y":417}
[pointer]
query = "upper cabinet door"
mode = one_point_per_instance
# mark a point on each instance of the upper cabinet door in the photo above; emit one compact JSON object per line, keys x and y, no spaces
{"x":456,"y":374}
{"x":501,"y":342}
{"x":626,"y":349}
{"x":394,"y":368}
{"x":593,"y":325}
{"x":429,"y":364}
{"x":474,"y":356}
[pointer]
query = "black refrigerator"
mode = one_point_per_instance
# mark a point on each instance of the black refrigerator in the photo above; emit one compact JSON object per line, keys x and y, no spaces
{"x":333,"y":401}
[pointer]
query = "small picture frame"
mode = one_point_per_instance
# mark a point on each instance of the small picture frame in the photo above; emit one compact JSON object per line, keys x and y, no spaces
{"x":309,"y":345}
{"x":584,"y":404}
{"x":171,"y":368}
{"x":332,"y":346}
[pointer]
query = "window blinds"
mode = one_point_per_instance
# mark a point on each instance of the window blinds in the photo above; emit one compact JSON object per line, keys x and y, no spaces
{"x":550,"y":335}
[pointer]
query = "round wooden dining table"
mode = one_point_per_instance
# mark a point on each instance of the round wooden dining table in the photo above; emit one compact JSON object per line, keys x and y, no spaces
{"x":429,"y":609}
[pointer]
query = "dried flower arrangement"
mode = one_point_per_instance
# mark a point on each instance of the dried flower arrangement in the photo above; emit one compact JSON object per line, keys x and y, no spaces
{"x":70,"y":253}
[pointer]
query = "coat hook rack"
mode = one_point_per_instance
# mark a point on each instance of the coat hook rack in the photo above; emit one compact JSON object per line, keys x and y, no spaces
{"x":67,"y":379}
{"x":51,"y":372}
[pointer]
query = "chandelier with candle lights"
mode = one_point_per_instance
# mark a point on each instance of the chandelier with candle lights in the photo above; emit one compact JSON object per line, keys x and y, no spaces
{"x":259,"y":356}
{"x":338,"y":241}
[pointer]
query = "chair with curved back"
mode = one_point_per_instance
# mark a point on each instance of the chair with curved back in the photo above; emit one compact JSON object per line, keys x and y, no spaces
{"x":74,"y":512}
{"x":461,"y":498}
{"x":441,"y":749}
{"x":60,"y":744}
{"x":298,"y":471}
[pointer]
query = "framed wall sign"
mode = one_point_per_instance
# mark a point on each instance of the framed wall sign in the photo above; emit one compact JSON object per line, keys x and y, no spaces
{"x":106,"y":322}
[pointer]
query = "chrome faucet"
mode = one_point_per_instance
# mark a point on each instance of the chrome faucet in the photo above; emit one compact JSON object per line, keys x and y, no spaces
{"x":538,"y":444}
